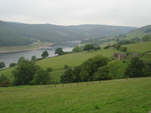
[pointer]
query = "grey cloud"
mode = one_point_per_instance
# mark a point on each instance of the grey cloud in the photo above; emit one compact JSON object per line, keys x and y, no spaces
{"x":69,"y":12}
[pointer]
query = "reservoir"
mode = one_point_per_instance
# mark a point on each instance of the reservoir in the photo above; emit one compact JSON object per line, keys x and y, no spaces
{"x":8,"y":58}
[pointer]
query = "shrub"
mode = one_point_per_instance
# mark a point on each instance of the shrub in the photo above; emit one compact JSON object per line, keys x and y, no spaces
{"x":12,"y":64}
{"x":2,"y":65}
{"x":102,"y":74}
{"x":147,"y":69}
{"x":67,"y":76}
{"x":49,"y":69}
{"x":24,"y":72}
{"x":77,"y":49}
{"x":59,"y":51}
{"x":88,"y":47}
{"x":123,"y":49}
{"x":89,"y":67}
{"x":135,"y":68}
{"x":4,"y":81}
{"x":41,"y":77}
{"x":146,"y":38}
{"x":45,"y":54}
{"x":33,"y":58}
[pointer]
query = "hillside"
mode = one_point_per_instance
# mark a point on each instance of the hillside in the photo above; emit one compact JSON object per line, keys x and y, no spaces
{"x":75,"y":59}
{"x":114,"y":96}
{"x":140,"y":32}
{"x":22,"y":34}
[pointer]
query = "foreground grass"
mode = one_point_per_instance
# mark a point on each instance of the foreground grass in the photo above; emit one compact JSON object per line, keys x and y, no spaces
{"x":116,"y":96}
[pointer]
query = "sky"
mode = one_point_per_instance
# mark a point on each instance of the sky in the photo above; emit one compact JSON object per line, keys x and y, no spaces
{"x":74,"y":12}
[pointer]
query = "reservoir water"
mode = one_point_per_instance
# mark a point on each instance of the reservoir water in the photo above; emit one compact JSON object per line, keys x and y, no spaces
{"x":8,"y":58}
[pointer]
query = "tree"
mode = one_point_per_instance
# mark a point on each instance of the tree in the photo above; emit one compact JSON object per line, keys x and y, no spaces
{"x":88,"y":47}
{"x":96,"y":47}
{"x":59,"y":51}
{"x":76,"y":74}
{"x":21,"y":59}
{"x":33,"y":58}
{"x":12,"y":64}
{"x":102,"y":74}
{"x":123,"y":49}
{"x":45,"y":54}
{"x":41,"y":77}
{"x":67,"y":76}
{"x":89,"y":67}
{"x":146,"y":38}
{"x":49,"y":69}
{"x":4,"y":81}
{"x":76,"y":49}
{"x":147,"y":69}
{"x":135,"y":68}
{"x":24,"y":72}
{"x":2,"y":65}
{"x":117,"y":46}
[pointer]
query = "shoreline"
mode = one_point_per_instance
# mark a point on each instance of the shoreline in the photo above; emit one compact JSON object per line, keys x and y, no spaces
{"x":14,"y":49}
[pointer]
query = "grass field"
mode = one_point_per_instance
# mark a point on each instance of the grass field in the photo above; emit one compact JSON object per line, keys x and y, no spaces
{"x":115,"y":96}
{"x":75,"y":59}
{"x":57,"y":63}
{"x":139,"y":47}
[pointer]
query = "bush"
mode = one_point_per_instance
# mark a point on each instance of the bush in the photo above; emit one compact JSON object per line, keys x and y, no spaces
{"x":24,"y":72}
{"x":45,"y":54}
{"x":2,"y":65}
{"x":59,"y":51}
{"x":89,"y":47}
{"x":67,"y":76}
{"x":77,"y":49}
{"x":135,"y":68}
{"x":147,"y":69}
{"x":102,"y":74}
{"x":4,"y":81}
{"x":107,"y":47}
{"x":49,"y":69}
{"x":41,"y":77}
{"x":116,"y":46}
{"x":123,"y":49}
{"x":84,"y":72}
{"x":12,"y":64}
{"x":89,"y":67}
{"x":146,"y":38}
{"x":33,"y":58}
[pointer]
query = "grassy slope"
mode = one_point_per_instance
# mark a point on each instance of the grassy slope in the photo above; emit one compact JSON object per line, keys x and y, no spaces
{"x":139,"y":47}
{"x":139,"y":32}
{"x":116,"y":96}
{"x":74,"y":59}
{"x":57,"y":63}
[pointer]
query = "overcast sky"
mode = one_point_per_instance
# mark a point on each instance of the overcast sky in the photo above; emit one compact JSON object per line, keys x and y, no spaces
{"x":73,"y":12}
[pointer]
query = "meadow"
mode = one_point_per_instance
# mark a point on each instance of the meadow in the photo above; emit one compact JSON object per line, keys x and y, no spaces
{"x":113,"y":96}
{"x":57,"y":63}
{"x":74,"y":59}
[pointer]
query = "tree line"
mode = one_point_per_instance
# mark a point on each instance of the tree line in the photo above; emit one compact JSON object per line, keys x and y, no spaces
{"x":97,"y":68}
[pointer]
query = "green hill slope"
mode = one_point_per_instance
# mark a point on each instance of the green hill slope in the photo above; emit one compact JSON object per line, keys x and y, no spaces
{"x":75,"y":59}
{"x":139,"y":33}
{"x":22,"y":34}
{"x":115,"y":96}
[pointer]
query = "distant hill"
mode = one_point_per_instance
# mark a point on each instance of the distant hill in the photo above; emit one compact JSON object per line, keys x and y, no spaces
{"x":139,"y":33}
{"x":22,"y":34}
